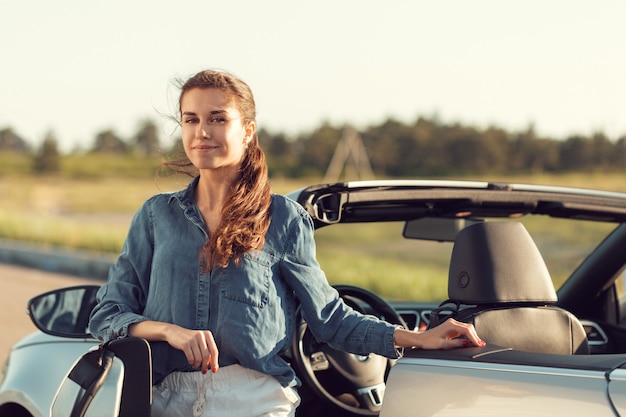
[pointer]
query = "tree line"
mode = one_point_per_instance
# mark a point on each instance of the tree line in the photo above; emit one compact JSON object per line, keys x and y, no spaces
{"x":430,"y":148}
{"x":424,"y":148}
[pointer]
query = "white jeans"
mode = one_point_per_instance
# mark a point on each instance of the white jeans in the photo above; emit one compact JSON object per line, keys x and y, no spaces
{"x":234,"y":391}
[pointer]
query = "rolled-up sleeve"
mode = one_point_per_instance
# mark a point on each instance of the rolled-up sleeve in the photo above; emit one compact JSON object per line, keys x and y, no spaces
{"x":121,"y":300}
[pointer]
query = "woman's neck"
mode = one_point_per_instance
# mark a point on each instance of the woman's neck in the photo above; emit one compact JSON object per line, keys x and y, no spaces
{"x":210,"y":196}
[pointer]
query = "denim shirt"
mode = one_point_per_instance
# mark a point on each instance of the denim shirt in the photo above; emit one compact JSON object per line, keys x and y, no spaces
{"x":250,"y":309}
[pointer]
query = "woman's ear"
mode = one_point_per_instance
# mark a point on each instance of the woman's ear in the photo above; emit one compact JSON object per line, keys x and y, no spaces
{"x":249,"y":131}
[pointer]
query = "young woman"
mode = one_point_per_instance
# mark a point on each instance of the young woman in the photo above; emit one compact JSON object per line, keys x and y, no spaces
{"x":209,"y":275}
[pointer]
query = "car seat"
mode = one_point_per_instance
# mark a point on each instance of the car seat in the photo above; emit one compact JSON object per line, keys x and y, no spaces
{"x":499,"y":282}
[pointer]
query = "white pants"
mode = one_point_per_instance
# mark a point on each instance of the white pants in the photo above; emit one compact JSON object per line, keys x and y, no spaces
{"x":234,"y":391}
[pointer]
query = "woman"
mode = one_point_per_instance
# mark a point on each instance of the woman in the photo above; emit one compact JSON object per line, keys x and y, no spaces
{"x":209,"y":275}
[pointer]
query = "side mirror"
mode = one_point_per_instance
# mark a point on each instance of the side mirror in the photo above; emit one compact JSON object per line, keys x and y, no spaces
{"x":64,"y":312}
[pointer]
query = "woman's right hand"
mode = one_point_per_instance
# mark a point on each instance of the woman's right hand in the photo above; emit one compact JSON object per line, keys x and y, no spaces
{"x":198,"y":346}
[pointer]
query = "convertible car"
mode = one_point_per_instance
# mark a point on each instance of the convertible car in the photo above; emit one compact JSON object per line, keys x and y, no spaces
{"x":539,"y":271}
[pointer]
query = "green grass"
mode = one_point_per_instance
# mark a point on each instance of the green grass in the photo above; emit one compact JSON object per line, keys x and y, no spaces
{"x":373,"y":256}
{"x":62,"y":232}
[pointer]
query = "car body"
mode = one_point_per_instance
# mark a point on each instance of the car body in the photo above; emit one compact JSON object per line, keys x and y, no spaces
{"x":580,"y":234}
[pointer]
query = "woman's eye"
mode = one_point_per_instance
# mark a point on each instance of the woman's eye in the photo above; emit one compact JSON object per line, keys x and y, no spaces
{"x":190,"y":121}
{"x":217,"y":120}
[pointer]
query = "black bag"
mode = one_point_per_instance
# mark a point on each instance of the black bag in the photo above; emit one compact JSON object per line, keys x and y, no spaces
{"x":114,"y":380}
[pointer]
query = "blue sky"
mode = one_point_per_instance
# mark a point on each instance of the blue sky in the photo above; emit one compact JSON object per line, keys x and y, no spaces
{"x":76,"y":67}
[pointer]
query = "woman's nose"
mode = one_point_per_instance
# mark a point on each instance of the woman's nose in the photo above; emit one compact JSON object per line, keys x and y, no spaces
{"x":202,"y":131}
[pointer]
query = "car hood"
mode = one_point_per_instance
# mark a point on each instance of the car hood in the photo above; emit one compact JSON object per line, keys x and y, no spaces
{"x":38,"y":337}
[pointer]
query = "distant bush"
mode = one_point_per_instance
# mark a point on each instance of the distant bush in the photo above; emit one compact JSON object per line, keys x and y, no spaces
{"x":15,"y":163}
{"x":97,"y":165}
{"x":82,"y":166}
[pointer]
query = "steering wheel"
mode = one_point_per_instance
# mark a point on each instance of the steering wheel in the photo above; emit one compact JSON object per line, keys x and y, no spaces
{"x":353,"y":383}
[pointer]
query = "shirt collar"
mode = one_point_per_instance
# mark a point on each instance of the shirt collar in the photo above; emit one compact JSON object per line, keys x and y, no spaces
{"x":185,"y":196}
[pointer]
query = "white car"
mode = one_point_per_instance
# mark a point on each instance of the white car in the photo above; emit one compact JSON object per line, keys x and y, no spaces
{"x":537,"y":269}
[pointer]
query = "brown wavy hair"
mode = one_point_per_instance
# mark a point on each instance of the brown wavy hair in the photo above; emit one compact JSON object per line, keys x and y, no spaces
{"x":246,"y":214}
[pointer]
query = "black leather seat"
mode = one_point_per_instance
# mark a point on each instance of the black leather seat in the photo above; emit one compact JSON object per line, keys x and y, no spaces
{"x":501,"y":284}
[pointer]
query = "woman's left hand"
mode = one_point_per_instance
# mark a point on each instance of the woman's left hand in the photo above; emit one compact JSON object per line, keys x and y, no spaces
{"x":448,"y":335}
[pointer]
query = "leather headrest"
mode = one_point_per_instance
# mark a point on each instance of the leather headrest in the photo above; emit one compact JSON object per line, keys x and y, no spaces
{"x":498,"y":262}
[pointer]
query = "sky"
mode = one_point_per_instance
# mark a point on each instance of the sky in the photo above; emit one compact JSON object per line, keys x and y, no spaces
{"x":77,"y":67}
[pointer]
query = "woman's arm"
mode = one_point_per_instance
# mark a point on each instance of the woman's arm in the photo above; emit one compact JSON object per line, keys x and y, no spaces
{"x":198,"y":345}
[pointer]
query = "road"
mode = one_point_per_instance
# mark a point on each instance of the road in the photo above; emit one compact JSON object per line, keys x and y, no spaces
{"x":17,"y":285}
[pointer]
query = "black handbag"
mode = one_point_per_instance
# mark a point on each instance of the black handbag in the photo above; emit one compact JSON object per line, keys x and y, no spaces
{"x":114,"y":380}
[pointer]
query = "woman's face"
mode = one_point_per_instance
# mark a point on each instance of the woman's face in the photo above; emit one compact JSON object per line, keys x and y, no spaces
{"x":213,"y":133}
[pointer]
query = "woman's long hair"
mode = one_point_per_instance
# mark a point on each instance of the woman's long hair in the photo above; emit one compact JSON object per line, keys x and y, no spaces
{"x":246,"y":214}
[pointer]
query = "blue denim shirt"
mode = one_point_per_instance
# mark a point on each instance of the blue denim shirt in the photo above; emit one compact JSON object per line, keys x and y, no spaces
{"x":250,"y":308}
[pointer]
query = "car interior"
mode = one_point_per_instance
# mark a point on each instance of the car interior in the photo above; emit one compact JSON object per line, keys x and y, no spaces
{"x":536,"y":328}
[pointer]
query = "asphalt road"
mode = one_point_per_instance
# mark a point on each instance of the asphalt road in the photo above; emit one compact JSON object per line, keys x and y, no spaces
{"x":17,"y":285}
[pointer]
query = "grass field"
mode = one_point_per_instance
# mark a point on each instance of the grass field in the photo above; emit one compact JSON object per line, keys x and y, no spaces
{"x":94,"y":214}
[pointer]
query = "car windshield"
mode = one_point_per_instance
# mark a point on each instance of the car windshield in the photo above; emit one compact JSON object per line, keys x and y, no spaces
{"x":377,"y":257}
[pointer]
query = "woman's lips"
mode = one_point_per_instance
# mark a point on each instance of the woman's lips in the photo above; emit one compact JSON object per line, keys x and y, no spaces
{"x":204,"y":147}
